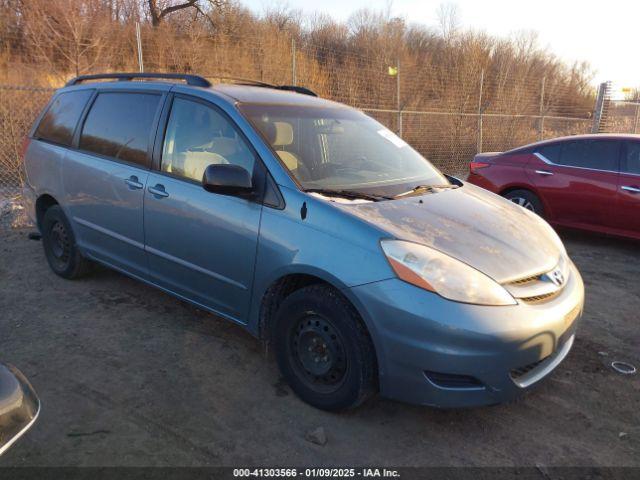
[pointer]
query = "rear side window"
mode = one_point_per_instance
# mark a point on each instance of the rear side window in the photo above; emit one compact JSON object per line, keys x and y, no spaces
{"x":601,"y":155}
{"x":119,"y":126}
{"x":593,"y":154}
{"x":631,"y":160}
{"x":59,"y":123}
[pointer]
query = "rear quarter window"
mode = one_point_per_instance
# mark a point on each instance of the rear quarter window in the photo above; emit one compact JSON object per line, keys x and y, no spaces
{"x":551,"y":152}
{"x":119,"y":125}
{"x":60,"y":120}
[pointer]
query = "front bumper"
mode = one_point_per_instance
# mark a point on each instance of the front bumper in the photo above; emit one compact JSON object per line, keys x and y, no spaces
{"x":506,"y":350}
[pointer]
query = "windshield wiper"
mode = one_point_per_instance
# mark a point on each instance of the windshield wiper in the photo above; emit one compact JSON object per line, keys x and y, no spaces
{"x":350,"y":194}
{"x":427,"y":188}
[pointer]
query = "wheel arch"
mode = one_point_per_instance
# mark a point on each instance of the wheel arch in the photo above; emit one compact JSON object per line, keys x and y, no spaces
{"x":513,"y":187}
{"x":530,"y":188}
{"x":43,"y":203}
{"x":288,"y":282}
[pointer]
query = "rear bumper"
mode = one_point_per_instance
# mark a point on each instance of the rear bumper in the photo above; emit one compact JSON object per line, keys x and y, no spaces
{"x":490,"y":354}
{"x":29,"y":202}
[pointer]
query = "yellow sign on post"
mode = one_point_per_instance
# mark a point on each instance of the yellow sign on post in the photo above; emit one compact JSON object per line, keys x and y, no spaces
{"x":393,"y":71}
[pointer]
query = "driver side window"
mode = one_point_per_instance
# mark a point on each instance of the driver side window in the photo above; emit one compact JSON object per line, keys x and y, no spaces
{"x":198,"y":136}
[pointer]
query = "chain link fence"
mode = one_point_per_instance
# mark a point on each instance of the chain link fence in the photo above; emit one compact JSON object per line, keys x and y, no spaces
{"x":623,"y":117}
{"x":19,"y":106}
{"x":448,"y":115}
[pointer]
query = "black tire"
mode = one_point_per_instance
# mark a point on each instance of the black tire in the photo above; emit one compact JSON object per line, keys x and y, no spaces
{"x":346,"y":373}
{"x":59,"y":244}
{"x":526,"y":199}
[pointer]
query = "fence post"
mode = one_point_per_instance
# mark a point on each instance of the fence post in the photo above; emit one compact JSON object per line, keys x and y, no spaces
{"x":479,"y":146}
{"x":541,"y":124}
{"x":293,"y":61}
{"x":635,"y":125}
{"x":399,"y":104}
{"x":139,"y":44}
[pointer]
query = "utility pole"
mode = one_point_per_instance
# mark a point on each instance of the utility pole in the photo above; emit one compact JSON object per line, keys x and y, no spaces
{"x":293,"y":61}
{"x":479,"y":146}
{"x":541,"y":124}
{"x":637,"y":122}
{"x":399,"y":105}
{"x":139,"y":42}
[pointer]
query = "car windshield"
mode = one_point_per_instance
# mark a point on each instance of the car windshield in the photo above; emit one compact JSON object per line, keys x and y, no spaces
{"x":341,"y":149}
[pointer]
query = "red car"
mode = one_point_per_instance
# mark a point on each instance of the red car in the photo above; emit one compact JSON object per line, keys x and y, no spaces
{"x":590,"y":182}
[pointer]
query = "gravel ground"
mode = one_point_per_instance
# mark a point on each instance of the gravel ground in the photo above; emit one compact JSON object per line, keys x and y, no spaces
{"x":131,"y":376}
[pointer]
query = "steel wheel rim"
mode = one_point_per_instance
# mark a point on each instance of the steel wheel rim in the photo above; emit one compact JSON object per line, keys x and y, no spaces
{"x":59,"y":244}
{"x":523,"y":202}
{"x":318,"y":354}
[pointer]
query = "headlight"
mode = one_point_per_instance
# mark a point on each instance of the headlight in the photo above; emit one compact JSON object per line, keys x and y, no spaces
{"x":432,"y":270}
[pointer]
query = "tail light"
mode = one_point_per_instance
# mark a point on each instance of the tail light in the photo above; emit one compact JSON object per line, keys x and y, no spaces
{"x":475,"y":166}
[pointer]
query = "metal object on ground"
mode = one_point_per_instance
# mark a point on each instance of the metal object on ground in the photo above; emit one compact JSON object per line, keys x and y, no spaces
{"x":19,"y":406}
{"x":623,"y":367}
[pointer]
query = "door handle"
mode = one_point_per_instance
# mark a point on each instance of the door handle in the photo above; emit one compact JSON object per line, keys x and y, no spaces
{"x":631,"y":189}
{"x":544,"y":172}
{"x":158,"y":191}
{"x":133,"y":183}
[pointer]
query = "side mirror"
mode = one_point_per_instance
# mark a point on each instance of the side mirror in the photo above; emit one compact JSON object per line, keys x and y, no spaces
{"x":227,"y":180}
{"x":19,"y":406}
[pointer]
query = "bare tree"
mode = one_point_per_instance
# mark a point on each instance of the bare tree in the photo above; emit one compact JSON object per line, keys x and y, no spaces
{"x":159,"y":10}
{"x":75,"y":32}
{"x":448,"y":19}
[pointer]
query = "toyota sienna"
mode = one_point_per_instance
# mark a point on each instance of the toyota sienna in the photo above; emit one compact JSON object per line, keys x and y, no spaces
{"x":310,"y":224}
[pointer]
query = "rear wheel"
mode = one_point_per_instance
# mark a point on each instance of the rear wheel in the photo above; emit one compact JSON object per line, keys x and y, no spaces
{"x":526,"y":199}
{"x":59,"y":244}
{"x":323,"y":350}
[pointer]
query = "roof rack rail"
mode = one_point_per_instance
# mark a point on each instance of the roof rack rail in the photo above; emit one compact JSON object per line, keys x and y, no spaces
{"x":243,"y":81}
{"x":258,"y":83}
{"x":194,"y":80}
{"x":297,"y":89}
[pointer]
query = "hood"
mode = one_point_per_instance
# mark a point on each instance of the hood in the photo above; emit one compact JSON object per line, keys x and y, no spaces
{"x":472,"y":225}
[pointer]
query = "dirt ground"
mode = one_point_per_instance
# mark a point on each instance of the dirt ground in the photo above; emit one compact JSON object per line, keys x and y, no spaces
{"x":131,"y":376}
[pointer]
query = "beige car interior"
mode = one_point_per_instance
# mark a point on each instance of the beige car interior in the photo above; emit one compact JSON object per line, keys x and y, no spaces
{"x":280,"y":135}
{"x":192,"y":144}
{"x":284,"y":138}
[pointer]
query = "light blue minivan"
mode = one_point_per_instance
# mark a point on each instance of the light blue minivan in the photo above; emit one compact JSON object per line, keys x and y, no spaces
{"x":317,"y":228}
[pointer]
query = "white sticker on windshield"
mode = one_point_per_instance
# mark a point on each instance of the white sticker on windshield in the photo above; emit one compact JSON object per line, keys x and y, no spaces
{"x":392,"y":137}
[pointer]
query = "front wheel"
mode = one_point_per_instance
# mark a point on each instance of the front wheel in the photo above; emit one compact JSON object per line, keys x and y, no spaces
{"x":323,"y":350}
{"x":526,"y":199}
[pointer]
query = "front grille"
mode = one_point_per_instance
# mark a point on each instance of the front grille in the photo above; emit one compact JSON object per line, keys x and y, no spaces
{"x":524,"y":281}
{"x":540,"y":298}
{"x":540,"y":287}
{"x":453,"y":381}
{"x":521,"y":371}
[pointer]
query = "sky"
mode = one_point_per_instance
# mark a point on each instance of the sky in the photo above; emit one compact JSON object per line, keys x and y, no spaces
{"x":604,"y":33}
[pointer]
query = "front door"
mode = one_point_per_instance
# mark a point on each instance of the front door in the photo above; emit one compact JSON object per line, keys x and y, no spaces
{"x":201,"y":245}
{"x":105,"y":178}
